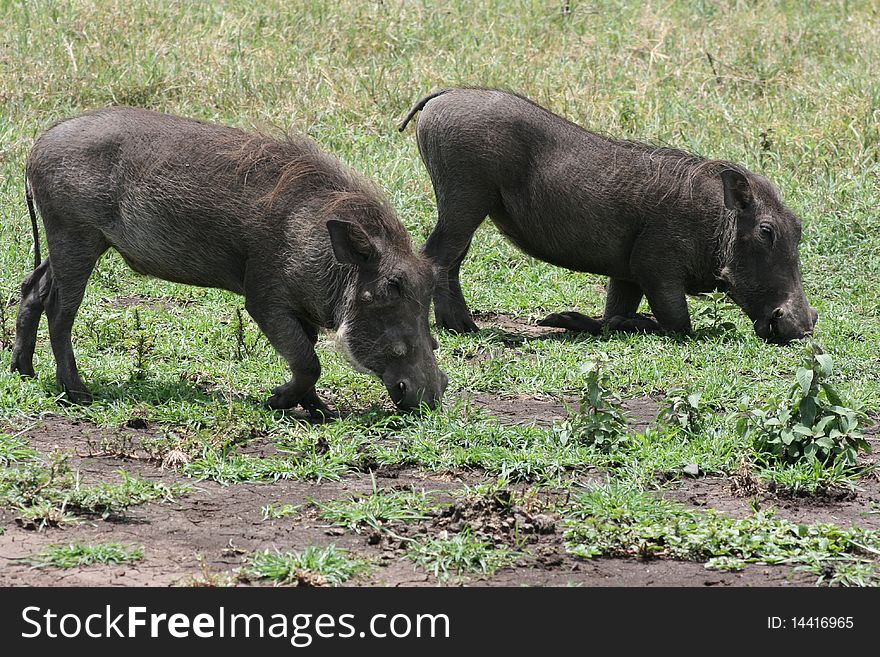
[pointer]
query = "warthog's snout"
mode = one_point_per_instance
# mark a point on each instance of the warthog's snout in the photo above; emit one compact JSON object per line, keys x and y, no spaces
{"x":412,"y":390}
{"x":788,"y":322}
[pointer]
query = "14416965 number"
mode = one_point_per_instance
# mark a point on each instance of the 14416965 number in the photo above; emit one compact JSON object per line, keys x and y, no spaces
{"x":810,"y":622}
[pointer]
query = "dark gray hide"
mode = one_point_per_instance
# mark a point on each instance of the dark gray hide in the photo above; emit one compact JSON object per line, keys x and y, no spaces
{"x":658,"y":222}
{"x":309,"y":243}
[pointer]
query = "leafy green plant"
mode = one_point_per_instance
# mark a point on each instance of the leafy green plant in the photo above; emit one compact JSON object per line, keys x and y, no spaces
{"x":47,"y":492}
{"x":79,"y":554}
{"x":314,"y":566}
{"x":684,"y":410}
{"x":810,"y":423}
{"x":227,"y":468}
{"x":713,"y":313}
{"x":810,"y":476}
{"x":108,"y":499}
{"x":598,"y":421}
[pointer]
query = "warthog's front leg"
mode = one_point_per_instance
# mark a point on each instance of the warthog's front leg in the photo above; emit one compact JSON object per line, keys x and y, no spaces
{"x":296,"y":344}
{"x":668,"y":302}
{"x":573,"y":321}
{"x":621,"y":305}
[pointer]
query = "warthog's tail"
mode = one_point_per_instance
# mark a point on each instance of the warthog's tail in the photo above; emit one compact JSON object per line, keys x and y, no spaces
{"x":35,"y":230}
{"x":418,"y":107}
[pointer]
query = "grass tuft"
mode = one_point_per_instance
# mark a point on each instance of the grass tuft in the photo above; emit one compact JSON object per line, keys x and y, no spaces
{"x":460,"y":554}
{"x":78,"y":554}
{"x":314,"y":566}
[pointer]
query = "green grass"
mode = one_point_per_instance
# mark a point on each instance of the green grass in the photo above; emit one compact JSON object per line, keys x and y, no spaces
{"x":613,"y":520}
{"x":460,"y":554}
{"x":377,"y":509}
{"x":314,"y":566}
{"x":14,"y":449}
{"x":787,"y":89}
{"x":47,"y":491}
{"x":77,"y":554}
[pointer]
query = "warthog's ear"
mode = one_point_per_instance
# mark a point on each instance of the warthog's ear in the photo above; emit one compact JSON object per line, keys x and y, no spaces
{"x":737,"y":191}
{"x":351,"y":245}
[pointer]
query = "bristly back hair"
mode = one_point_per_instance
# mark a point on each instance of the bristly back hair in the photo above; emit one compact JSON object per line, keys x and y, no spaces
{"x":685,"y":169}
{"x":295,"y":164}
{"x":685,"y":166}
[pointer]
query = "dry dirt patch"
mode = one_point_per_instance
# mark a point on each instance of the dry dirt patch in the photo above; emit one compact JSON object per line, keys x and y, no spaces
{"x":213,"y":527}
{"x":858,"y":506}
{"x":544,"y":410}
{"x":517,"y":328}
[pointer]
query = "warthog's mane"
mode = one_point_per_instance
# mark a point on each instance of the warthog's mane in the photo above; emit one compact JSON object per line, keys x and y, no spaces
{"x":293,"y":165}
{"x":290,"y":174}
{"x":675,"y":173}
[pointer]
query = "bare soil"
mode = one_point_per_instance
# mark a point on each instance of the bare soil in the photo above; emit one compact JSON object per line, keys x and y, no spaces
{"x":202,"y":537}
{"x":517,"y":328}
{"x":737,"y":496}
{"x":544,"y":410}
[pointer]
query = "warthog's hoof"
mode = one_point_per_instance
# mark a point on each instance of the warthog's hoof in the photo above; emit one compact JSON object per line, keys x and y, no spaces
{"x":573,"y":321}
{"x":79,"y":397}
{"x":637,"y":323}
{"x":457,"y":323}
{"x":281,"y":401}
{"x":284,"y":398}
{"x":21,"y":365}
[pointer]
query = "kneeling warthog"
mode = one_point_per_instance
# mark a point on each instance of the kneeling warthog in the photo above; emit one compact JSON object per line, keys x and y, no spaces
{"x":659,"y":222}
{"x":309,"y":243}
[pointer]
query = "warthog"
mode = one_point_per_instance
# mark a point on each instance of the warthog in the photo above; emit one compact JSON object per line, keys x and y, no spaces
{"x":658,"y":222}
{"x":308,"y":242}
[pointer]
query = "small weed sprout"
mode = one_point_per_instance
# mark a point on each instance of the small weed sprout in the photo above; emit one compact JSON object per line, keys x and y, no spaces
{"x":683,"y":410}
{"x":713,"y":314}
{"x":272,"y":512}
{"x":241,"y":346}
{"x":143,"y":346}
{"x":810,"y":424}
{"x":598,"y":422}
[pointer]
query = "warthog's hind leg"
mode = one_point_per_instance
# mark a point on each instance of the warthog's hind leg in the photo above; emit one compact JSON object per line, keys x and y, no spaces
{"x":461,"y":209}
{"x":621,"y":305}
{"x":73,"y":259}
{"x":34,"y":289}
{"x":635,"y":323}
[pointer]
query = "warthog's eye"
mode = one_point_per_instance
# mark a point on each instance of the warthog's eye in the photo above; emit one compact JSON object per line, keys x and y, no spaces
{"x":366,"y":296}
{"x":767,"y":232}
{"x":393,"y":289}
